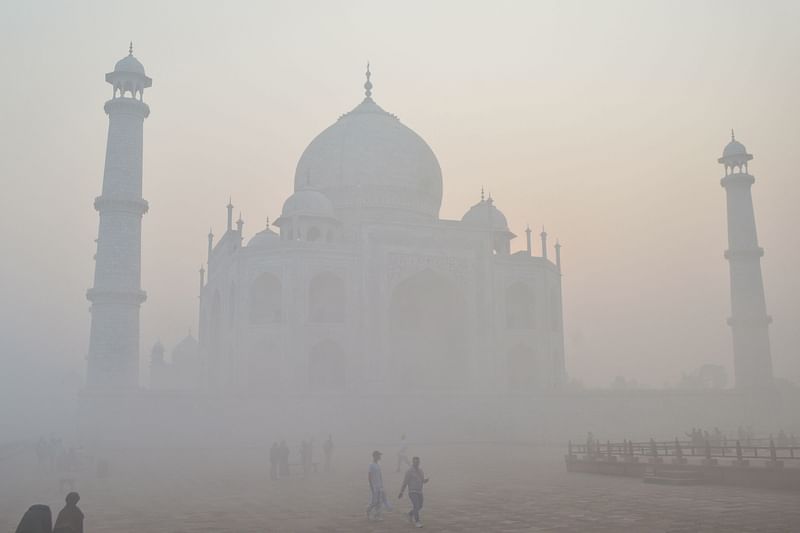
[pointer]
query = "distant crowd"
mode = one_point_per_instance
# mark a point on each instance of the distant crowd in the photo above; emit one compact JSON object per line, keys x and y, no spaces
{"x":745,"y":436}
{"x":52,"y":455}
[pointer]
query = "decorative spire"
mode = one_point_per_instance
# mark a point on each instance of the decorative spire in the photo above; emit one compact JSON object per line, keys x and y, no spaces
{"x":267,"y":222}
{"x":130,"y":49}
{"x":528,"y":239}
{"x":733,"y":137}
{"x":368,"y":84}
{"x":543,"y":235}
{"x":483,"y":196}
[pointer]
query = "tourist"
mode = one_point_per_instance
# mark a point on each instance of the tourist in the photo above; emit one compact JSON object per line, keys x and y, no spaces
{"x":305,"y":457}
{"x":377,"y":496}
{"x":274,"y":453}
{"x":414,"y":480}
{"x":402,"y":454}
{"x":283,"y":458}
{"x":327,"y":448}
{"x":37,"y":519}
{"x":41,"y":452}
{"x":70,"y":518}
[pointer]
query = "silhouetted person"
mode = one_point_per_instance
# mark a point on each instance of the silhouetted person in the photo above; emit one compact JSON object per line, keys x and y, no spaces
{"x":305,"y":457}
{"x":327,"y":448}
{"x":41,"y":452}
{"x":377,"y":496}
{"x":37,"y":519}
{"x":402,"y":454}
{"x":414,"y":480}
{"x":274,"y":459}
{"x":70,"y":518}
{"x":284,"y":459}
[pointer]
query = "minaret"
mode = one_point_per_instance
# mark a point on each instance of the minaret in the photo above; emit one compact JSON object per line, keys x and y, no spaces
{"x":528,"y":239}
{"x":116,"y":296}
{"x":749,"y":320}
{"x":558,"y":255}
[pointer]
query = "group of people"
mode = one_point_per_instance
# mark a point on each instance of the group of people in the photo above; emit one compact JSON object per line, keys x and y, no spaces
{"x":52,"y":455}
{"x":746,"y":436}
{"x":413,"y":480}
{"x":279,"y":457}
{"x":38,"y":519}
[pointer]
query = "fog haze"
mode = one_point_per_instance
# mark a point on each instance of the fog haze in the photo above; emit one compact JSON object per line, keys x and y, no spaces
{"x":602,"y":122}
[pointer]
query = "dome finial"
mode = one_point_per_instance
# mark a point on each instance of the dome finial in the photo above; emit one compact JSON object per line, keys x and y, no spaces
{"x":483,"y":196}
{"x":130,"y":49}
{"x":733,"y":137}
{"x":368,"y":84}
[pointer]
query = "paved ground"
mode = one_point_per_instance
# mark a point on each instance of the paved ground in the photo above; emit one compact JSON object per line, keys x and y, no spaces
{"x":472,"y":489}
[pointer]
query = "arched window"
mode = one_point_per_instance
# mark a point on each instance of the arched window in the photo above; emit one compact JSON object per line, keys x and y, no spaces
{"x":313,"y":234}
{"x":326,"y":298}
{"x":522,"y":369}
{"x":327,"y":368}
{"x":520,"y":307}
{"x":265,"y":299}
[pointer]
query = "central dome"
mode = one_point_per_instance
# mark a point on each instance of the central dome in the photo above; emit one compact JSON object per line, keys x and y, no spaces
{"x":369,"y":162}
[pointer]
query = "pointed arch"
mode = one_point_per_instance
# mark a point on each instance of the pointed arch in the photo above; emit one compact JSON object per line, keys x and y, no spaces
{"x":265,"y":299}
{"x":522,"y":368}
{"x":520,"y":306}
{"x":428,"y":333}
{"x":326,"y":298}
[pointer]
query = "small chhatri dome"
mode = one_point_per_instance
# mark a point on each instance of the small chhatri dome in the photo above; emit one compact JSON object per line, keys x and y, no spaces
{"x":265,"y":238}
{"x":308,"y":202}
{"x":734,"y":147}
{"x":486,"y":214}
{"x":129,"y":64}
{"x":735,"y":154}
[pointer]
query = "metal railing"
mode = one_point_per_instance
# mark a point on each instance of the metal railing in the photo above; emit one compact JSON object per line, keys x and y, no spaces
{"x":755,"y":449}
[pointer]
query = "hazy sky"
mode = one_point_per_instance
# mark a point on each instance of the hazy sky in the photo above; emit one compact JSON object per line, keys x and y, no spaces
{"x":600,"y":120}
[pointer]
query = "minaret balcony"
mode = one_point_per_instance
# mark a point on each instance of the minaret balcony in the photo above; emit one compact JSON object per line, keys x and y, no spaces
{"x":752,"y":253}
{"x":127,"y":105}
{"x":116,"y":296}
{"x":136,"y":206}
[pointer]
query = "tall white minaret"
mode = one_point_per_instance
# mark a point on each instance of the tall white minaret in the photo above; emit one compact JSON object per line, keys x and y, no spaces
{"x":749,"y":320}
{"x":116,"y":296}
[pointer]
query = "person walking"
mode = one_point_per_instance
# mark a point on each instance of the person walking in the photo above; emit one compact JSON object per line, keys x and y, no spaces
{"x":283,"y":459}
{"x":377,"y":496}
{"x":327,"y":447}
{"x":414,"y":480}
{"x":402,"y":454}
{"x":274,"y":452}
{"x":70,"y":518}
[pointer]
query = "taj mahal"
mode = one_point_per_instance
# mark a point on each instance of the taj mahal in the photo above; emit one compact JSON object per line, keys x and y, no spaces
{"x":359,"y":289}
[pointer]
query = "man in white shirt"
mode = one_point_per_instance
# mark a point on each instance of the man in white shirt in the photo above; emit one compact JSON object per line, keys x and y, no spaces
{"x":377,"y":495}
